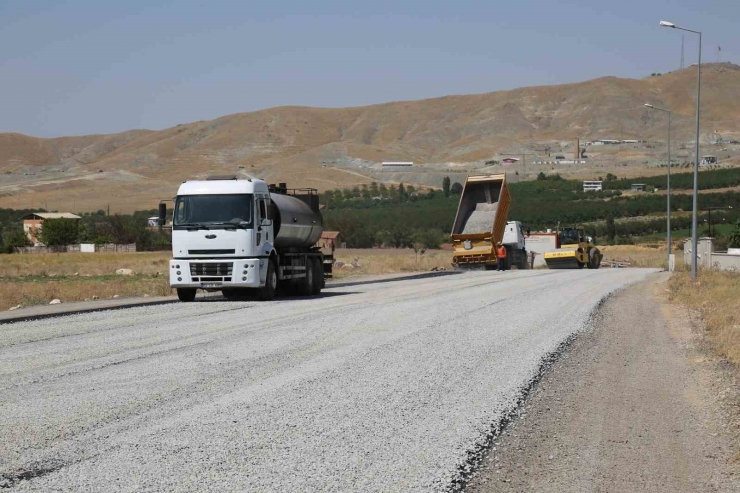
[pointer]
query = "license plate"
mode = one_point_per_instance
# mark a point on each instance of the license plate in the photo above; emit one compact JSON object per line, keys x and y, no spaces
{"x":211,"y":284}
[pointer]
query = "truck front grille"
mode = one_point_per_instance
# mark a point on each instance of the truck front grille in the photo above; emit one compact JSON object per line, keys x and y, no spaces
{"x":211,"y":268}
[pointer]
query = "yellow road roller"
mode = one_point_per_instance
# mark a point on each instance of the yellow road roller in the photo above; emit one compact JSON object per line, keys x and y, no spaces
{"x":575,"y":251}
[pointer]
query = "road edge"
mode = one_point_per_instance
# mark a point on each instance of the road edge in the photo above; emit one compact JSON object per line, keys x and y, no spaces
{"x":64,"y":311}
{"x":474,"y":457}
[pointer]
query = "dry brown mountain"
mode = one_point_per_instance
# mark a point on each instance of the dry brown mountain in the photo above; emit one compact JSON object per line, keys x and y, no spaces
{"x":132,"y":170}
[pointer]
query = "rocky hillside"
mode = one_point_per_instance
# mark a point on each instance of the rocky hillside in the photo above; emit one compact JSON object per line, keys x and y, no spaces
{"x":313,"y":145}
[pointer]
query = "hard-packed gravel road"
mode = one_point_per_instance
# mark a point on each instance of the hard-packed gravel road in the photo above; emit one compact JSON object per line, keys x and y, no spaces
{"x":375,"y":387}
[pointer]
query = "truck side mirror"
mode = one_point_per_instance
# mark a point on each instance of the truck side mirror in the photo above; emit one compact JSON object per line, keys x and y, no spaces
{"x":162,"y":213}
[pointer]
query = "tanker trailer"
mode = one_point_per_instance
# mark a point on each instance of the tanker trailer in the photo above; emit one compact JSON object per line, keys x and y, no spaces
{"x":241,"y":236}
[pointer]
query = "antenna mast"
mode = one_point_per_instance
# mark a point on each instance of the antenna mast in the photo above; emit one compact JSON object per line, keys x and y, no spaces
{"x":682,"y":52}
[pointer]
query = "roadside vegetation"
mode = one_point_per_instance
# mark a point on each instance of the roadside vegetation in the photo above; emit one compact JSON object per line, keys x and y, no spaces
{"x":398,"y":216}
{"x":639,"y":256}
{"x":97,"y":228}
{"x":36,"y":279}
{"x":358,"y":262}
{"x":715,"y":297}
{"x":411,"y":223}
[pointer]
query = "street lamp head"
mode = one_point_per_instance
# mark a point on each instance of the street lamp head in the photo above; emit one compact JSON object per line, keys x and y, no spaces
{"x":649,"y":105}
{"x":667,"y":24}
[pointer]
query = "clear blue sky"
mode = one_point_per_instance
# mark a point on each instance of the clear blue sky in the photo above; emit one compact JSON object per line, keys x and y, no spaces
{"x":98,"y":66}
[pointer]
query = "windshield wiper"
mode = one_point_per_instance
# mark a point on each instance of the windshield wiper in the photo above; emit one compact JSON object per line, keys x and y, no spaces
{"x":193,"y":226}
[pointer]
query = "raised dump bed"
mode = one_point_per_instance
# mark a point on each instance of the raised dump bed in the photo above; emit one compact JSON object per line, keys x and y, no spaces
{"x":481,"y":219}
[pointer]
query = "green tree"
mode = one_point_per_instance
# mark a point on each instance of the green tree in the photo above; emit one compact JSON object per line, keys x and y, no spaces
{"x":401,"y":193}
{"x":383,"y":190}
{"x":733,"y":240}
{"x":456,"y":188}
{"x":365,"y":192}
{"x":446,"y":186}
{"x":541,"y":176}
{"x":611,"y":229}
{"x":374,"y":191}
{"x":57,"y":232}
{"x":15,"y":237}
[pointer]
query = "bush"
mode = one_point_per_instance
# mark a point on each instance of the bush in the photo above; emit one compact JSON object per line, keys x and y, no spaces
{"x":733,"y":240}
{"x":14,"y":237}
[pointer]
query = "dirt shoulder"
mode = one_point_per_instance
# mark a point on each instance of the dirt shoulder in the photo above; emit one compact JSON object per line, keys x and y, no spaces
{"x":636,"y":404}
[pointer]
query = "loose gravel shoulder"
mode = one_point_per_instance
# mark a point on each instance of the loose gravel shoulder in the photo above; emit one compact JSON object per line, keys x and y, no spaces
{"x":633,"y":405}
{"x":378,"y":387}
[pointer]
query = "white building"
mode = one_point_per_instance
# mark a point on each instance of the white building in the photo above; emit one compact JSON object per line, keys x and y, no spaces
{"x":593,"y":186}
{"x":397,"y":164}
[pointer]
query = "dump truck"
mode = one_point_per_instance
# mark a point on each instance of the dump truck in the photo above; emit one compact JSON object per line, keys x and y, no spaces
{"x":242,"y":236}
{"x":481,"y":222}
{"x":575,"y":251}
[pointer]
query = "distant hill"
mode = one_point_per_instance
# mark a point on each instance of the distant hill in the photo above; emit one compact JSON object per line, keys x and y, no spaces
{"x":329,"y":148}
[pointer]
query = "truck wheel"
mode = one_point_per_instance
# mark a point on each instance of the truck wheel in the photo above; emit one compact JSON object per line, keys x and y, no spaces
{"x":318,"y":276}
{"x":523,"y":260}
{"x":267,"y":292}
{"x":306,"y":286}
{"x":186,"y":294}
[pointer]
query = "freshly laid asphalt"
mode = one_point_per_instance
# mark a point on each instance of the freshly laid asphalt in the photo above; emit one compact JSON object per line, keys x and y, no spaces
{"x":370,"y":387}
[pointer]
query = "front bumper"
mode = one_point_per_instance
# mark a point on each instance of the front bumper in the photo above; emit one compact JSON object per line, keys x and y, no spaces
{"x":215,"y":273}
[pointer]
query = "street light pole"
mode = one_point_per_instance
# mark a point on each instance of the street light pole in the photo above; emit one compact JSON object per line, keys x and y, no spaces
{"x":667,"y":188}
{"x":694,"y":238}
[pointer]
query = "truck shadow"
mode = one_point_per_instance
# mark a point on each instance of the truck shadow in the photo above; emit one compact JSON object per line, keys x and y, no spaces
{"x":212,"y":298}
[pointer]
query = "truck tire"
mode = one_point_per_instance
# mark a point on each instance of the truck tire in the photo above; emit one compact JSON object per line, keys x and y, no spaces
{"x":186,"y":294}
{"x":318,"y":275}
{"x":523,"y":265}
{"x":267,"y":292}
{"x":307,"y":283}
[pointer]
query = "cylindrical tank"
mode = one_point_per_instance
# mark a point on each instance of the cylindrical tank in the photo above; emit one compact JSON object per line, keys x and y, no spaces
{"x":295,"y":224}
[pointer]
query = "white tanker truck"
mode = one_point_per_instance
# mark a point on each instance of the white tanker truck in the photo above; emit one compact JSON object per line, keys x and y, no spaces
{"x":241,"y":235}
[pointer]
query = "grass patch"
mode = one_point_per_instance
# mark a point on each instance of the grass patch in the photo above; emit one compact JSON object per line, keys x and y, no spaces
{"x":677,"y":234}
{"x":640,"y":256}
{"x":36,"y":279}
{"x":715,"y":296}
{"x":389,"y":261}
{"x":29,"y":291}
{"x":83,"y":264}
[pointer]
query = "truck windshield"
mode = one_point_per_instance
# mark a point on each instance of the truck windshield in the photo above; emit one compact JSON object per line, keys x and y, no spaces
{"x":211,"y":211}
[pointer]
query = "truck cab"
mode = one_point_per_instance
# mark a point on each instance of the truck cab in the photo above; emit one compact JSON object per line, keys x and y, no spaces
{"x":514,"y":236}
{"x":237,"y":235}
